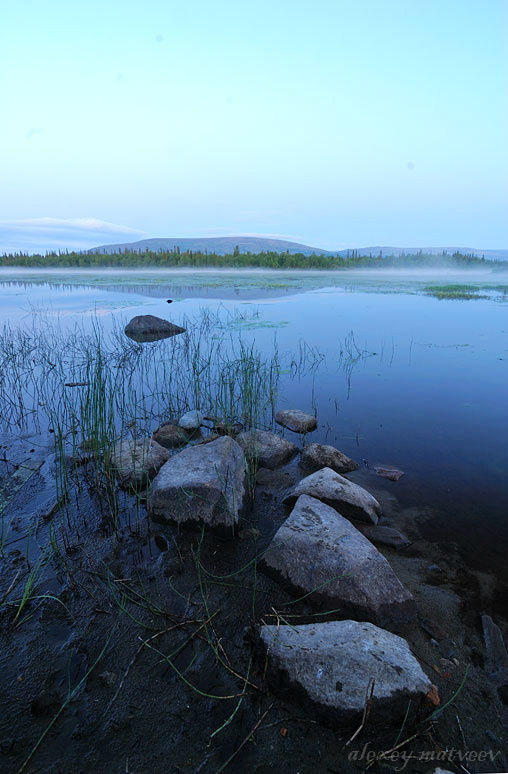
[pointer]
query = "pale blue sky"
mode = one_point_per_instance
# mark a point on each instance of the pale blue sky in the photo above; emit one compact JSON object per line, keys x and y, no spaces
{"x":337,"y":123}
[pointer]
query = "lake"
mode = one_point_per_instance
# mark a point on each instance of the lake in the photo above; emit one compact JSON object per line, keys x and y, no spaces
{"x":423,"y":385}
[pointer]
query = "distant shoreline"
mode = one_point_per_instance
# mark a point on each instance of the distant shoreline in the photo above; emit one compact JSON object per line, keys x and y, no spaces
{"x":175,"y":259}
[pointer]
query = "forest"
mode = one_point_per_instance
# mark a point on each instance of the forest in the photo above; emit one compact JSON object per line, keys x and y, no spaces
{"x":264,"y":260}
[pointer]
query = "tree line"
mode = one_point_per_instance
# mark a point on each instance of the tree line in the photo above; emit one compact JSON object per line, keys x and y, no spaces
{"x":264,"y":260}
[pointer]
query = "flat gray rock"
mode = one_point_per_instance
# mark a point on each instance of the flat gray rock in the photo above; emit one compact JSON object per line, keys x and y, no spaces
{"x":318,"y":455}
{"x":146,"y":327}
{"x":387,"y":536}
{"x":333,"y":489}
{"x":203,"y":484}
{"x":296,"y":420}
{"x":136,"y":462}
{"x":267,"y":449}
{"x":170,"y":436}
{"x":326,"y":668}
{"x":317,"y":550}
{"x":192,"y":420}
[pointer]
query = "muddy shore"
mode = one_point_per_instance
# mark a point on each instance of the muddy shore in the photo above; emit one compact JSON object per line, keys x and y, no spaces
{"x":136,"y":651}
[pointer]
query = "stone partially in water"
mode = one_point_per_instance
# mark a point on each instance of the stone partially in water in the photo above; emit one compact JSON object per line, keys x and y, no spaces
{"x":387,"y":536}
{"x":319,"y":553}
{"x":267,"y":449}
{"x":327,"y":668}
{"x":192,"y":420}
{"x":296,"y":420}
{"x":317,"y":456}
{"x":392,"y":474}
{"x":203,"y":484}
{"x":335,"y":490}
{"x":147,"y":327}
{"x":136,"y":462}
{"x":170,"y":436}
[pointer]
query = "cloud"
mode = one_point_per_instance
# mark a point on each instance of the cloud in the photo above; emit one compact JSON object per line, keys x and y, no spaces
{"x":47,"y":233}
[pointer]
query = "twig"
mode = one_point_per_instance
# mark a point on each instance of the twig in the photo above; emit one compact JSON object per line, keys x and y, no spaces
{"x":10,"y":588}
{"x":131,"y":662}
{"x":263,"y":716}
{"x":369,"y":696}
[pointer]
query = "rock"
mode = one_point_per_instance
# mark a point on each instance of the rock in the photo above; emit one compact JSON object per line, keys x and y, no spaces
{"x":108,"y":678}
{"x":209,"y":438}
{"x":317,"y":456}
{"x":296,"y":420}
{"x":326,"y":668}
{"x":433,"y":629}
{"x":136,"y":462}
{"x":387,"y":536}
{"x":496,"y":656}
{"x":228,"y":428}
{"x":317,"y":550}
{"x":170,"y":436}
{"x":192,"y":420}
{"x":146,"y":327}
{"x":393,"y":474}
{"x":267,"y":449}
{"x":335,"y":490}
{"x":203,"y":484}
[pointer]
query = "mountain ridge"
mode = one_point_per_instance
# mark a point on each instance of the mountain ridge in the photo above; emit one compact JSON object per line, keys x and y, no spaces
{"x":227,"y":245}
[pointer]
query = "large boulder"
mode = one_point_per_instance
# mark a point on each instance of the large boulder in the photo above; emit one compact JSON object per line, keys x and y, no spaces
{"x":136,"y":462}
{"x":146,"y":327}
{"x":170,"y":436}
{"x":296,"y":420}
{"x":318,"y":455}
{"x":333,"y":489}
{"x":327,"y":668}
{"x":316,"y":552}
{"x":203,"y":484}
{"x":267,"y":449}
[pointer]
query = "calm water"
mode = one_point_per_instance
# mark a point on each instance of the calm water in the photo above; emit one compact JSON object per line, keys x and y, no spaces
{"x":427,"y":391}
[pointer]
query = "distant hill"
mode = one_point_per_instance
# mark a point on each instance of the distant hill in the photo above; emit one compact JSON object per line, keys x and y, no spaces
{"x":246,"y":244}
{"x":219,"y":245}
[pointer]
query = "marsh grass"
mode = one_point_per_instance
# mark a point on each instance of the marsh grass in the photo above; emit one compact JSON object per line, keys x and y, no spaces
{"x":459,"y":292}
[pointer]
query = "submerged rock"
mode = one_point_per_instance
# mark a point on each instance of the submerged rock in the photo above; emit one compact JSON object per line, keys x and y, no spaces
{"x":146,"y":327}
{"x":385,"y":471}
{"x":327,"y":667}
{"x":387,"y":536}
{"x":136,"y":462}
{"x":192,"y":420}
{"x":318,"y":552}
{"x":335,"y":490}
{"x":267,"y":449}
{"x":203,"y":484}
{"x":317,"y":456}
{"x":296,"y":420}
{"x":170,"y":436}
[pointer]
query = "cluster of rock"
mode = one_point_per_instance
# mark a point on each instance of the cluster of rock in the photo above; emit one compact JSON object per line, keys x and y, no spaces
{"x":317,"y":553}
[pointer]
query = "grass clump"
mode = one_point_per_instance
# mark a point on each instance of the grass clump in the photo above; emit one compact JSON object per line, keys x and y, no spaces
{"x":463,"y":292}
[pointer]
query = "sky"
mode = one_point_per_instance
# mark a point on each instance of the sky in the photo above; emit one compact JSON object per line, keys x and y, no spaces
{"x":336,"y":123}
